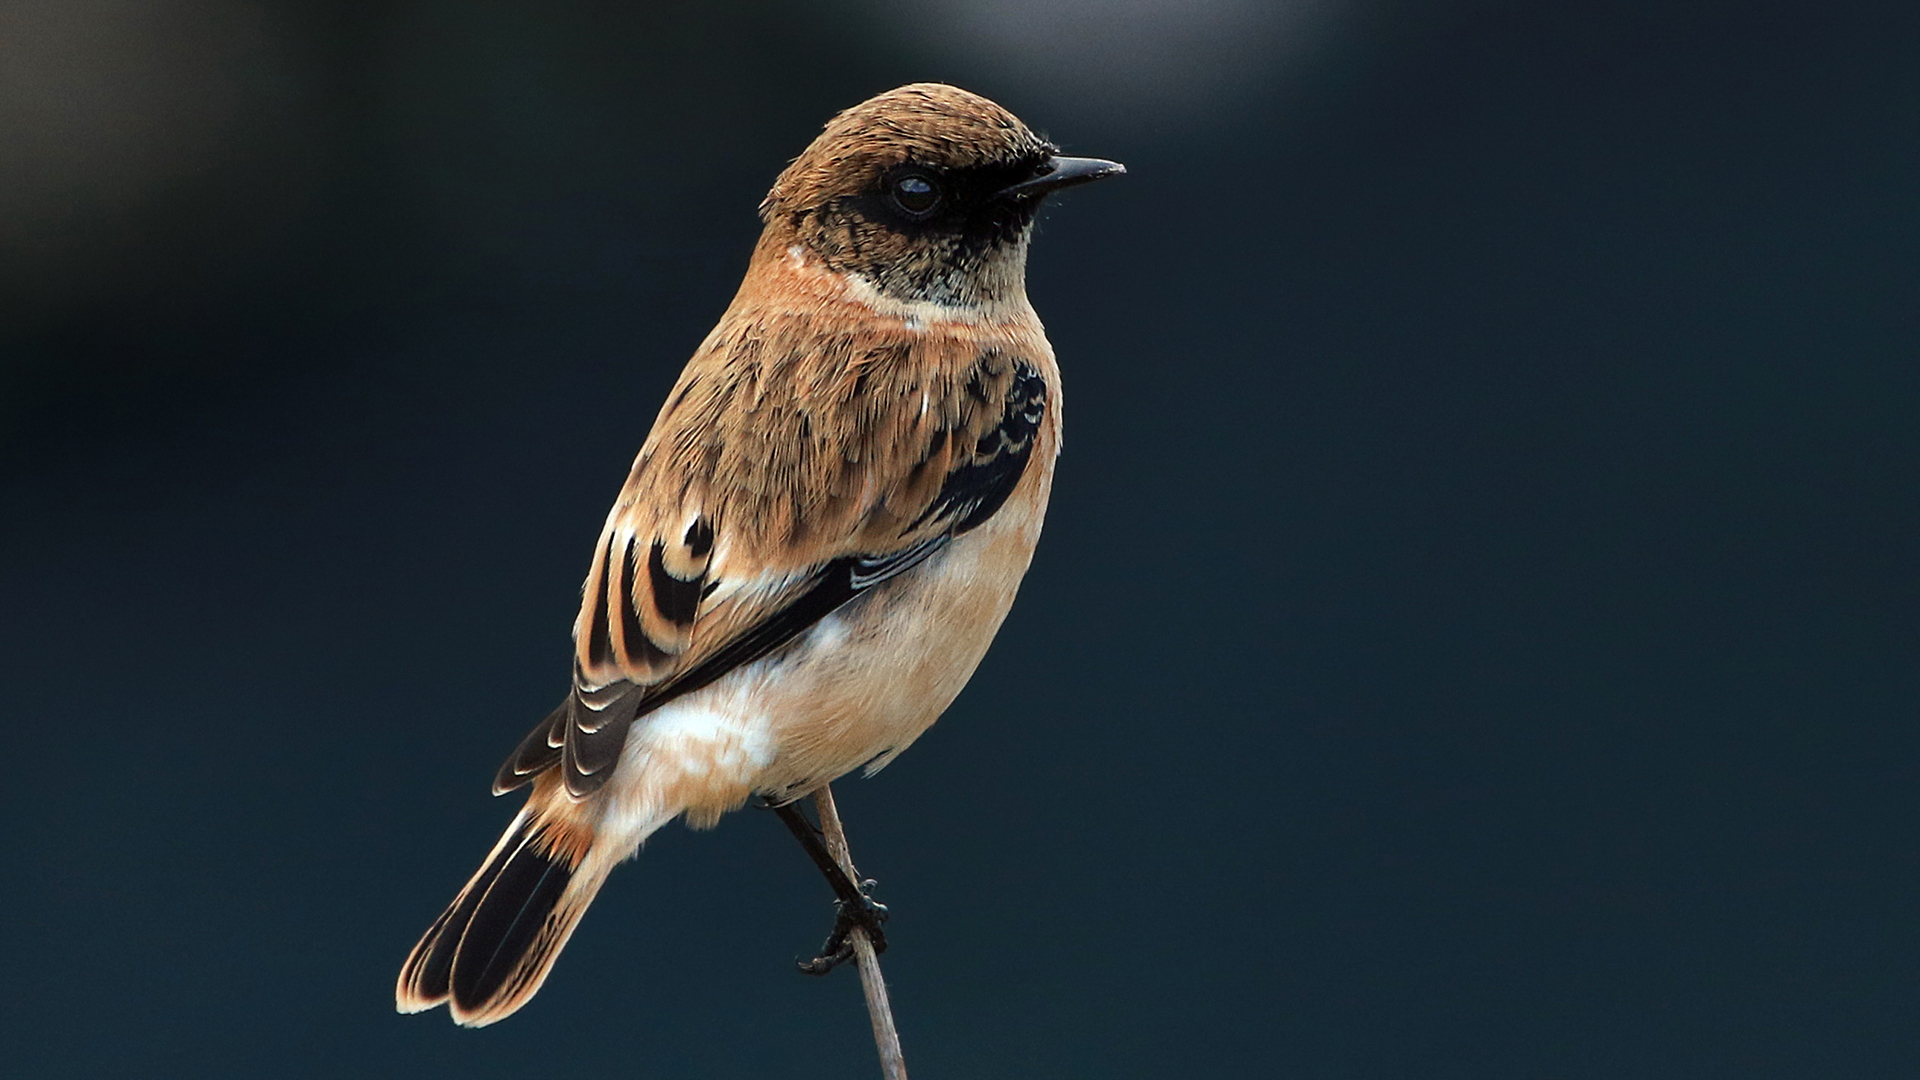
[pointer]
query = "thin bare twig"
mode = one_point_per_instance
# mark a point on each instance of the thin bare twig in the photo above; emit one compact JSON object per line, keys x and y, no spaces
{"x":885,"y":1036}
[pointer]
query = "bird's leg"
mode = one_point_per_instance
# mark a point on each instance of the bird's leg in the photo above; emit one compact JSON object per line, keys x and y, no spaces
{"x":852,"y":906}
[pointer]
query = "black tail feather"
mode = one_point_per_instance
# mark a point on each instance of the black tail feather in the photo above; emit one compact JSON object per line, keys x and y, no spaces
{"x":507,"y":924}
{"x":428,"y":972}
{"x":499,"y":934}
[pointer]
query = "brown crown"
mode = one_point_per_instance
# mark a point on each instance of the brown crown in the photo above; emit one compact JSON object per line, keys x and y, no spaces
{"x":929,"y":123}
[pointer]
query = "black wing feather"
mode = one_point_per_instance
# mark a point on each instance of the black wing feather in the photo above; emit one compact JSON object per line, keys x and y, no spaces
{"x":589,"y":729}
{"x":978,"y":489}
{"x":588,"y":754}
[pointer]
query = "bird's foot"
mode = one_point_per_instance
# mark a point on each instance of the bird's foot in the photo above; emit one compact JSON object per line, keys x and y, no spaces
{"x":859,"y":912}
{"x":853,"y":908}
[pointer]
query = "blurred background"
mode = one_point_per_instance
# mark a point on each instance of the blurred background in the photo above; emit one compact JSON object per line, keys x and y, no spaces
{"x":1475,"y":635}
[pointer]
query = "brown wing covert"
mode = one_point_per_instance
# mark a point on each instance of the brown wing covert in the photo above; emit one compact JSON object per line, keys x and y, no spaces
{"x":947,"y":447}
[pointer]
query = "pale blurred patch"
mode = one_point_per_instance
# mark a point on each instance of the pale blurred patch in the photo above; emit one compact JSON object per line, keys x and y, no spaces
{"x":1129,"y":62}
{"x":112,"y":111}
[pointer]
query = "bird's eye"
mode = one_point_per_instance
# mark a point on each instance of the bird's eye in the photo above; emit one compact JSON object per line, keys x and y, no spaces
{"x":916,"y":195}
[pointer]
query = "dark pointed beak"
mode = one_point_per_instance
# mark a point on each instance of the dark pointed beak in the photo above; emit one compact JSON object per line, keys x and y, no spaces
{"x":1063,"y":172}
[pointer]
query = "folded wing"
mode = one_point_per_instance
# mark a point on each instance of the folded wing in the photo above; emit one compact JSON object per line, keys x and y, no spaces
{"x":783,"y":479}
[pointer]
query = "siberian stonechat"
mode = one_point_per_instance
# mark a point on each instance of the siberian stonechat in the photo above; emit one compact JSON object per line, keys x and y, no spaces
{"x":819,"y":538}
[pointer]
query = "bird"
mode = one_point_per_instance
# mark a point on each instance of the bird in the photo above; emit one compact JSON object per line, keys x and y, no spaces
{"x":818,"y":539}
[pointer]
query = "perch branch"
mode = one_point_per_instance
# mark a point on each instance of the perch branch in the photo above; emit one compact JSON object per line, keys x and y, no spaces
{"x":885,"y":1036}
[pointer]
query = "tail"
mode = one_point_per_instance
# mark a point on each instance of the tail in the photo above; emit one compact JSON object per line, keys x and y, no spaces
{"x":488,"y":953}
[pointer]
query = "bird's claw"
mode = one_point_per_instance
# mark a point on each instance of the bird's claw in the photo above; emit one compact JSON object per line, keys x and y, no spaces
{"x":864,"y":914}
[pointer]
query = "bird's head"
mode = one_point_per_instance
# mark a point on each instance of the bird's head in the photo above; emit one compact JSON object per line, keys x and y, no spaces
{"x":926,"y":193}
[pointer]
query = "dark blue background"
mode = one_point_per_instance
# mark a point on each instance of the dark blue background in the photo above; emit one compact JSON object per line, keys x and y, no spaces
{"x":1475,"y":634}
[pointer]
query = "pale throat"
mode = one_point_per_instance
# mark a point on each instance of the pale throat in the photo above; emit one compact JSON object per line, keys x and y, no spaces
{"x":995,"y":292}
